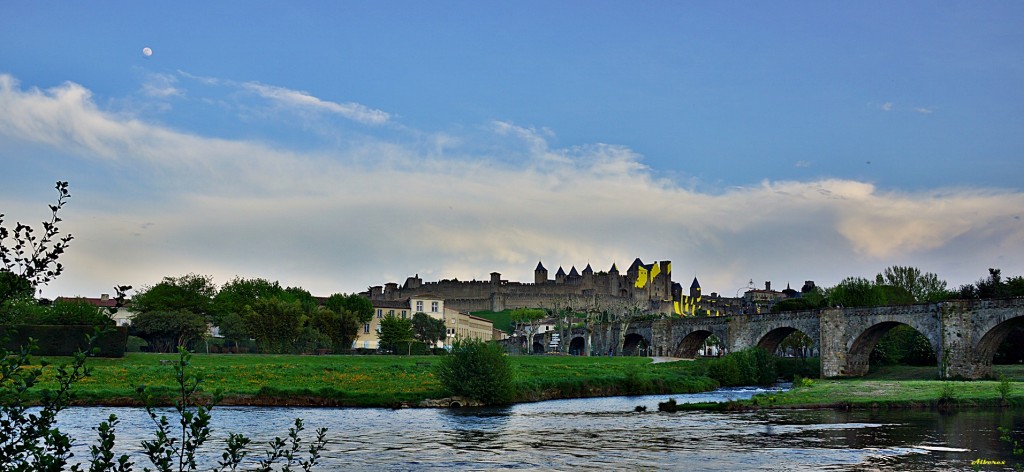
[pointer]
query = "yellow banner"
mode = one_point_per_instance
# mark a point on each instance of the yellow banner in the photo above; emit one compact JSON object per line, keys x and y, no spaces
{"x":641,"y":277}
{"x":655,"y":270}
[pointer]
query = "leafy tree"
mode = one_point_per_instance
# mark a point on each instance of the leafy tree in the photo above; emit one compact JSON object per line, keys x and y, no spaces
{"x":903,"y":345}
{"x":395,"y":332}
{"x":525,"y":321}
{"x":32,"y":258}
{"x":232,"y":327}
{"x":78,"y":312}
{"x":239,"y":292}
{"x":924,"y":287}
{"x":359,"y":306}
{"x":301,"y":296}
{"x":794,"y":304}
{"x":276,"y":324}
{"x":14,"y":287}
{"x":1015,"y":286}
{"x":427,"y":329}
{"x":478,"y":370}
{"x":339,"y":328}
{"x":854,"y":291}
{"x":191,"y":292}
{"x":228,"y":305}
{"x":23,"y":311}
{"x":798,"y":343}
{"x":993,"y":287}
{"x":166,"y":330}
{"x":310,"y":340}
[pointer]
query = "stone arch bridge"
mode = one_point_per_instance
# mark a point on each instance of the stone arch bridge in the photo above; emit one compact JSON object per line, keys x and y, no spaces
{"x":963,"y":333}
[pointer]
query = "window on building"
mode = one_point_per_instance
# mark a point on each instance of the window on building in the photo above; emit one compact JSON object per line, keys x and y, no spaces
{"x":433,"y":307}
{"x":380,"y":313}
{"x":419,"y":306}
{"x":366,"y":328}
{"x":366,"y":344}
{"x":391,"y":312}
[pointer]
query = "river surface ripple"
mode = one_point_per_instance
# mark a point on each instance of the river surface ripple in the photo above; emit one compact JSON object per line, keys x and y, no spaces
{"x":597,"y":434}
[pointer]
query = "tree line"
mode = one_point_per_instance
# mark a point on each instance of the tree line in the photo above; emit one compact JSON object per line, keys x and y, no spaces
{"x":178,"y":311}
{"x":901,"y":285}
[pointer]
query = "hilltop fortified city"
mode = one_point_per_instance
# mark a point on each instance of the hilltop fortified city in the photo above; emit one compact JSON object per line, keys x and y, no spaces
{"x":647,"y":287}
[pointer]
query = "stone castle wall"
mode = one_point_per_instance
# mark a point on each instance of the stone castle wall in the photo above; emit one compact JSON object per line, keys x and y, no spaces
{"x":609,"y":291}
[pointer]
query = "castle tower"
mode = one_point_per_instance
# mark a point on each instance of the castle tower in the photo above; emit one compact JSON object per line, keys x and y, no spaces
{"x":588,"y":277}
{"x":412,"y":283}
{"x":496,"y":278}
{"x":560,"y":276}
{"x":540,"y":274}
{"x":614,"y":281}
{"x":574,"y":277}
{"x":695,"y":288}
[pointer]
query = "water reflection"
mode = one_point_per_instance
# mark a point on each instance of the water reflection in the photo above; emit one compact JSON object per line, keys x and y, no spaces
{"x":603,"y":433}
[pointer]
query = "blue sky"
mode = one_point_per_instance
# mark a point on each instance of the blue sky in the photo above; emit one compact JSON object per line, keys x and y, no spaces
{"x":337,"y":145}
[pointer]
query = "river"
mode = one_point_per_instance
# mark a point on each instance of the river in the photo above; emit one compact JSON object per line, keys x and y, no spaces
{"x":602,"y":434}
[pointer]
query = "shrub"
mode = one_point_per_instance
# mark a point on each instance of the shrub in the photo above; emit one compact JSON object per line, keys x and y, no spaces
{"x":1004,"y":388}
{"x":478,"y":370}
{"x":747,"y":367}
{"x":135,"y":344}
{"x":791,"y":367}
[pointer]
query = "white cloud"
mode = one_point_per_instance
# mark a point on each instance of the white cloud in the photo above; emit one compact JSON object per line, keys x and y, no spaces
{"x":303,"y":100}
{"x":380,"y":211}
{"x":924,"y":110}
{"x":887,"y":106}
{"x":161,"y":86}
{"x":802,"y":164}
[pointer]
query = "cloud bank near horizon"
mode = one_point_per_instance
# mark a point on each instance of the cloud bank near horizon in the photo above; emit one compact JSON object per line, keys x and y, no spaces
{"x":385,"y":206}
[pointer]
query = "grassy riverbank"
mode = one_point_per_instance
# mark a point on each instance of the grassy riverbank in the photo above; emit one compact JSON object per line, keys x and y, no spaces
{"x":370,"y":380}
{"x":900,"y":387}
{"x":385,"y":381}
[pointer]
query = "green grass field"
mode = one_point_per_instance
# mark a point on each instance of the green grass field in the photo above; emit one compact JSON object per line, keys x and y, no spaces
{"x":367,"y":380}
{"x":382,"y":381}
{"x":901,"y":387}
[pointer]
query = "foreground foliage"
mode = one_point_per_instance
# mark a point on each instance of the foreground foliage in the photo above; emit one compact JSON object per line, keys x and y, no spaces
{"x":31,"y":441}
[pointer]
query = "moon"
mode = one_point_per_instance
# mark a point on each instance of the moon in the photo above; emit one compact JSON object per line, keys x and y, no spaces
{"x":147,"y":52}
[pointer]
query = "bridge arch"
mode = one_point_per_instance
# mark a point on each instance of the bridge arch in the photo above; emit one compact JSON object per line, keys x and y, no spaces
{"x":577,"y":346}
{"x":772,"y":340}
{"x":985,"y":349}
{"x":635,"y":345}
{"x":858,"y":356}
{"x":538,"y":344}
{"x":690,"y":345}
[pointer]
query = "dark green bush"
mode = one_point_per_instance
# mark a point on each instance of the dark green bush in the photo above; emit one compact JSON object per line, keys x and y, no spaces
{"x":790,"y":367}
{"x":135,"y":344}
{"x":747,"y":367}
{"x":478,"y":370}
{"x":55,"y":340}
